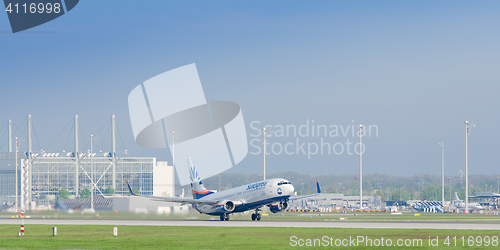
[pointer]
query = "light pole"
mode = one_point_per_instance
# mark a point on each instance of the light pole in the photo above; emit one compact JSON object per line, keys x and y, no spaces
{"x":17,"y":203}
{"x":91,"y":174}
{"x":442,"y":171}
{"x":461,"y":174}
{"x":266,"y":133}
{"x":498,"y":188}
{"x":450,"y":187}
{"x":361,"y":132}
{"x":92,"y":140}
{"x":467,"y":132}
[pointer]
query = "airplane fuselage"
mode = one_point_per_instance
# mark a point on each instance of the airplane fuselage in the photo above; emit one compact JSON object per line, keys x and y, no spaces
{"x":248,"y":197}
{"x":471,"y":206}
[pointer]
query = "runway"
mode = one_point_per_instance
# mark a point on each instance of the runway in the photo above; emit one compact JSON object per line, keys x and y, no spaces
{"x":235,"y":223}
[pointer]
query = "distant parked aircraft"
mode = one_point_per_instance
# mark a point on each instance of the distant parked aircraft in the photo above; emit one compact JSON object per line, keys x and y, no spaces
{"x":355,"y":206}
{"x":6,"y":205}
{"x":460,"y":204}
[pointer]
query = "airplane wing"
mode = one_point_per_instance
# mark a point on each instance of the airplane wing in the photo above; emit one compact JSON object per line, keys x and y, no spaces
{"x":302,"y":197}
{"x":170,"y":199}
{"x":318,"y":192}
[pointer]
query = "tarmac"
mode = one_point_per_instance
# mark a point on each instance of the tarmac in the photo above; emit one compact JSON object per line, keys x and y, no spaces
{"x":236,"y":223}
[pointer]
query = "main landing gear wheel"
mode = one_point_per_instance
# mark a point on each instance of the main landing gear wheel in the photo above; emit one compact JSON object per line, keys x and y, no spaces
{"x":256,"y":216}
{"x":224,"y":217}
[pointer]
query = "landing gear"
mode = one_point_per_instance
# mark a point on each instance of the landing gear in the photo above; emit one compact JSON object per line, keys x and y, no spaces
{"x":224,"y":217}
{"x":256,"y":215}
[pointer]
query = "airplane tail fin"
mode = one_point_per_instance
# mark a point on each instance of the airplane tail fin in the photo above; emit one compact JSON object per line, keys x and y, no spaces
{"x":318,"y":190}
{"x":197,"y":187}
{"x":456,"y":197}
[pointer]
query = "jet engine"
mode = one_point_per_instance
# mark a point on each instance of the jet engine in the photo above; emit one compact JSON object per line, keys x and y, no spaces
{"x":278,"y":206}
{"x":225,"y":206}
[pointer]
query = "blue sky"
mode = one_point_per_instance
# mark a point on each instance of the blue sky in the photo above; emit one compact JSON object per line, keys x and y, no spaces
{"x":415,"y":69}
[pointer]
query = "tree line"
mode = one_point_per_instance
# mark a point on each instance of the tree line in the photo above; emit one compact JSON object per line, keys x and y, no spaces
{"x":389,"y":187}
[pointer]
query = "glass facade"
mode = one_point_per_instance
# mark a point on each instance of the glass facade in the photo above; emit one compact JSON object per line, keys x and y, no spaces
{"x":50,"y":174}
{"x":7,"y":184}
{"x":7,"y":177}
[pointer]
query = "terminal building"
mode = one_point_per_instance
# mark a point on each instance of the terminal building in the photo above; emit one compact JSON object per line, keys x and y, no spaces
{"x":326,"y":200}
{"x":41,"y":175}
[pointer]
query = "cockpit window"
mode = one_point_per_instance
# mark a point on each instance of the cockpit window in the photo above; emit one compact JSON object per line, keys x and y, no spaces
{"x":283,"y":182}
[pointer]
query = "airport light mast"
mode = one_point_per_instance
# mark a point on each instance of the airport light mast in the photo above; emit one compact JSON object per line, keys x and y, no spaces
{"x":362,"y":130}
{"x":442,"y":171}
{"x":266,"y":133}
{"x":92,"y":140}
{"x":449,"y":178}
{"x":17,"y":148}
{"x":467,"y":132}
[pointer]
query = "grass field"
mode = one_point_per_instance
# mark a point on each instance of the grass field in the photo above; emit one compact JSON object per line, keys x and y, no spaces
{"x":286,"y":216}
{"x":381,"y":217}
{"x":156,"y":237}
{"x":159,"y":237}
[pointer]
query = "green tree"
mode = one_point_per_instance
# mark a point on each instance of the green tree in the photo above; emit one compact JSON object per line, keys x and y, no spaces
{"x":64,"y":193}
{"x":135,"y":190}
{"x":432,"y":192}
{"x":400,"y":194}
{"x":85,"y":193}
{"x":367,"y":187}
{"x":381,"y":194}
{"x":110,"y":190}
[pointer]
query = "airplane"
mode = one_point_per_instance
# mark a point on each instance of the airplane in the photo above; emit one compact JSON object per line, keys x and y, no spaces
{"x":6,"y":205}
{"x":312,"y":207}
{"x":351,"y":206}
{"x":274,"y":193}
{"x":460,"y":204}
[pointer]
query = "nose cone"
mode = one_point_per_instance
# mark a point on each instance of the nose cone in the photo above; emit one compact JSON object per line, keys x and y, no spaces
{"x":289,"y":189}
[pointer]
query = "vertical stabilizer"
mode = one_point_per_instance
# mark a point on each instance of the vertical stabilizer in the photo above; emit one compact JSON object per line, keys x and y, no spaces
{"x":197,"y":187}
{"x":318,"y":190}
{"x":456,"y":197}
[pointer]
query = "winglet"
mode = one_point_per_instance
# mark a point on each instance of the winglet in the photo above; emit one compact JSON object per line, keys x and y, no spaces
{"x":318,"y":190}
{"x":130,"y":189}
